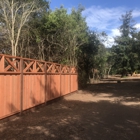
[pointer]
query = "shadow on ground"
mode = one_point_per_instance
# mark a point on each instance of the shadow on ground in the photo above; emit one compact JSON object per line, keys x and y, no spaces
{"x":106,"y":111}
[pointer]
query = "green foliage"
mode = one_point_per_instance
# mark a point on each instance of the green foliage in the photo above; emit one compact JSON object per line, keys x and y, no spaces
{"x":124,"y":52}
{"x":86,"y":58}
{"x":62,"y":37}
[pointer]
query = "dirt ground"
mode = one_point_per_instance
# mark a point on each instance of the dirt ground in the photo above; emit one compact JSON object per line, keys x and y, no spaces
{"x":104,"y":111}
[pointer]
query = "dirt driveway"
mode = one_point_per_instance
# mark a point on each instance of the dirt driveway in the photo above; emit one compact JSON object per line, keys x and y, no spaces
{"x":105,"y":111}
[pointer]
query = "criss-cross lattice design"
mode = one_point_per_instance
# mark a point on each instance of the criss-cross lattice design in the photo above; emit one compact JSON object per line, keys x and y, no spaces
{"x":28,"y":65}
{"x":17,"y":64}
{"x":73,"y":70}
{"x":40,"y":66}
{"x":65,"y":69}
{"x":53,"y":67}
{"x":33,"y":66}
{"x":9,"y":64}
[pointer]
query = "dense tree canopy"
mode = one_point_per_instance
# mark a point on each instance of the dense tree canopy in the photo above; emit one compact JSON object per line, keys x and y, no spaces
{"x":31,"y":29}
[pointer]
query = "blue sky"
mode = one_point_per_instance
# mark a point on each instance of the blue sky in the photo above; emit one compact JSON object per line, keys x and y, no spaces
{"x":103,"y":15}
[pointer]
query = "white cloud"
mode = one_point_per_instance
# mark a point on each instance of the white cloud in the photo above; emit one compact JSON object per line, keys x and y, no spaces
{"x":137,"y":26}
{"x":111,"y":36}
{"x":109,"y":42}
{"x":108,"y":20}
{"x":103,"y":18}
{"x":115,"y":32}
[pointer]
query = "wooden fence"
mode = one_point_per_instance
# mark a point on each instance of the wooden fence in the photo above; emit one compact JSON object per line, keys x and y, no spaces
{"x":25,"y":83}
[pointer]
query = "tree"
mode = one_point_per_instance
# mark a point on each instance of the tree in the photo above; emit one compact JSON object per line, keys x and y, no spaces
{"x":124,"y":56}
{"x":86,"y":58}
{"x":36,"y":35}
{"x":64,"y":34}
{"x":14,"y":15}
{"x":100,"y":60}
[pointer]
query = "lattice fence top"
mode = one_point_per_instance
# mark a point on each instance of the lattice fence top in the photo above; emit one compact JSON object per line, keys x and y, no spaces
{"x":11,"y":64}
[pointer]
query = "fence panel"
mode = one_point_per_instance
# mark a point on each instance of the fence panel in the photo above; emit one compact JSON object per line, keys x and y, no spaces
{"x":9,"y":85}
{"x":9,"y":95}
{"x":34,"y":90}
{"x":65,"y":84}
{"x":74,"y":82}
{"x":53,"y":86}
{"x":25,"y":83}
{"x":62,"y":87}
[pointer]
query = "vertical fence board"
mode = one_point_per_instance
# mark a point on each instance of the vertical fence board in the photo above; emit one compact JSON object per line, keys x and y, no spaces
{"x":34,"y":93}
{"x":9,"y":95}
{"x":54,"y":86}
{"x":62,"y":85}
{"x":74,"y":83}
{"x":24,"y":95}
{"x":1,"y":95}
{"x":47,"y":88}
{"x":67,"y":84}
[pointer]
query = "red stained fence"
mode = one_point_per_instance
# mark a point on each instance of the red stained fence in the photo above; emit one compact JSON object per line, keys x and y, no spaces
{"x":25,"y":83}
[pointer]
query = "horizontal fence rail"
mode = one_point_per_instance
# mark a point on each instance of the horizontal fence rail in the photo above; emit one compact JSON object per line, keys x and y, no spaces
{"x":25,"y":83}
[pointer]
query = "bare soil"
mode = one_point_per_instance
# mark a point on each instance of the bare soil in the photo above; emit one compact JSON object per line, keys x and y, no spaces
{"x":103,"y":111}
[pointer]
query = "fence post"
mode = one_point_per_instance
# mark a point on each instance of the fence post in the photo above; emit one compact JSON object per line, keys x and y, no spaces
{"x":70,"y":79}
{"x":2,"y":64}
{"x":34,"y":66}
{"x":60,"y":80}
{"x":77,"y":79}
{"x":45,"y":70}
{"x":21,"y":85}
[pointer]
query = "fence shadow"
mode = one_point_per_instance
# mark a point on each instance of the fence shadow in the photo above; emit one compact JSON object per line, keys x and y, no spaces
{"x":101,"y":111}
{"x":73,"y":119}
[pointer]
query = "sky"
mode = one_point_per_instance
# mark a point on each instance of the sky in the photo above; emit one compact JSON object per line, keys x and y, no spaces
{"x":103,"y":15}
